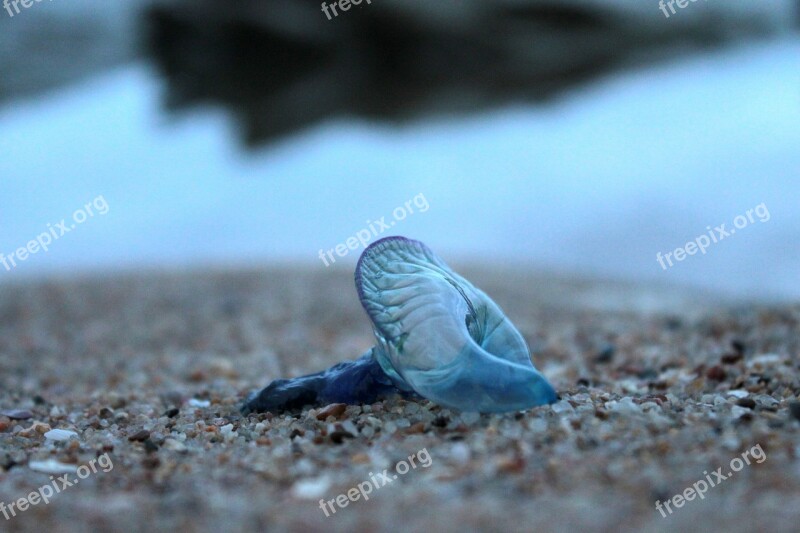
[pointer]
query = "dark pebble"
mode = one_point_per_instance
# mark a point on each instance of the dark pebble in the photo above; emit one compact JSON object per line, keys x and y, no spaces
{"x":150,"y":446}
{"x":440,"y":422}
{"x":139,"y":436}
{"x":151,"y":462}
{"x":716,"y":373}
{"x":338,"y":436}
{"x":762,"y":378}
{"x":794,"y":410}
{"x":606,"y":355}
{"x":172,"y":413}
{"x":731,"y":358}
{"x":17,"y":414}
{"x":648,"y":374}
{"x":7,"y":463}
{"x":746,"y":402}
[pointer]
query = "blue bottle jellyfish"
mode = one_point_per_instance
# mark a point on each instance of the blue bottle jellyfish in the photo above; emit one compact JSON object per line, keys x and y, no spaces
{"x":438,"y":337}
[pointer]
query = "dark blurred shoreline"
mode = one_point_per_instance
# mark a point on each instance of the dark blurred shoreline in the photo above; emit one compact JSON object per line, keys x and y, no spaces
{"x":280,"y":65}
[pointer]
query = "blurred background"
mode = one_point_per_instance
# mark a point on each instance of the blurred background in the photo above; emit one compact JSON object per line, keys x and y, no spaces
{"x":574,"y":136}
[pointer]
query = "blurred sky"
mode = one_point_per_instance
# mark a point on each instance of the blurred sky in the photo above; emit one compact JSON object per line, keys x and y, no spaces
{"x":597,"y":181}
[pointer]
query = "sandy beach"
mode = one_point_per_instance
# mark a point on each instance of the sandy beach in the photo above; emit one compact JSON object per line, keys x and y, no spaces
{"x":660,"y":388}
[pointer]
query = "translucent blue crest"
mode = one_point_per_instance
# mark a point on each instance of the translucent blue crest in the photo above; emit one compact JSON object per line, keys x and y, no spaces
{"x":441,"y":336}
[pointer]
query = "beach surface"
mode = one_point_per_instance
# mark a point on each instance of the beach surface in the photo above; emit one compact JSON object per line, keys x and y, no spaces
{"x":660,"y":387}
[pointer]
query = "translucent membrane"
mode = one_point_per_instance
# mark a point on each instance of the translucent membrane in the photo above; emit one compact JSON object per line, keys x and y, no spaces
{"x":441,"y":336}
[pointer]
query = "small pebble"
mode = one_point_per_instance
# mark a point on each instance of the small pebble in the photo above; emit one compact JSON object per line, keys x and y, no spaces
{"x":361,"y":459}
{"x":470,"y":418}
{"x":624,"y":405}
{"x":51,"y":466}
{"x":738,"y":411}
{"x":17,"y":414}
{"x":335,"y":410}
{"x":562,"y":407}
{"x":738,"y":393}
{"x":460,"y":453}
{"x":338,"y":436}
{"x":37,"y":428}
{"x":746,"y":402}
{"x":60,"y":435}
{"x":175,"y":446}
{"x":311,"y":489}
{"x":731,"y":358}
{"x":794,"y":410}
{"x":765,"y":360}
{"x":606,"y":355}
{"x":440,"y":422}
{"x":140,"y":436}
{"x":417,"y":428}
{"x":412,"y":408}
{"x":716,"y":373}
